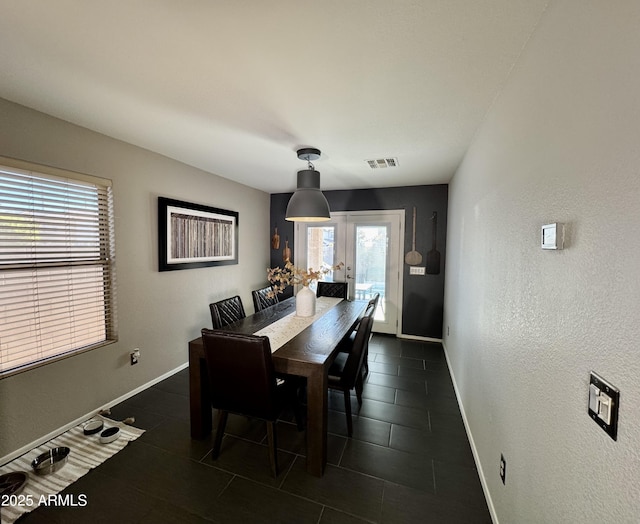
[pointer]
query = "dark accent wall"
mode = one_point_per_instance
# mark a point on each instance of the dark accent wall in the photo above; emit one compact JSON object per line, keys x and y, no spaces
{"x":422,"y":296}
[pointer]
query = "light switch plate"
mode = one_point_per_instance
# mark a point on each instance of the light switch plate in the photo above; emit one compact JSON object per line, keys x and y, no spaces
{"x":417,"y":270}
{"x":604,"y":401}
{"x":594,"y":398}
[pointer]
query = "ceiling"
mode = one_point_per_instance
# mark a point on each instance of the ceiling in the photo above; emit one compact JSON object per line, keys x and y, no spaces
{"x":236,"y":87}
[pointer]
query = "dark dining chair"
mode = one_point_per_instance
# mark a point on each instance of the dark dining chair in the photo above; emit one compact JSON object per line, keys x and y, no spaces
{"x":243,"y":381}
{"x":346,"y":345}
{"x":333,"y":289}
{"x":345,"y":373}
{"x":262,"y":298}
{"x":226,"y":311}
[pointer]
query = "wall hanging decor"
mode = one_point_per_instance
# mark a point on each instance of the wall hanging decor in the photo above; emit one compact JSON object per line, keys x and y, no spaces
{"x":413,"y":258}
{"x":286,"y":252}
{"x":433,"y":256}
{"x":195,"y":235}
{"x":275,"y":239}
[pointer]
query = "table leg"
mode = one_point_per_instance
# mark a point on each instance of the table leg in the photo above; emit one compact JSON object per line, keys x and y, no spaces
{"x":317,"y":422}
{"x":199,"y":398}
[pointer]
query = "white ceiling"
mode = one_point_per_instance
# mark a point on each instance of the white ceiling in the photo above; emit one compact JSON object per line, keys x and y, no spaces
{"x":236,"y":87}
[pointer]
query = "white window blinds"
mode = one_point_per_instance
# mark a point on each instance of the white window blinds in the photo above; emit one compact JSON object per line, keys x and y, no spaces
{"x":56,"y":264}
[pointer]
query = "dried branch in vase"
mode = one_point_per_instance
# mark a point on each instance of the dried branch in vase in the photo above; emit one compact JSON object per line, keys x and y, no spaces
{"x":291,"y":275}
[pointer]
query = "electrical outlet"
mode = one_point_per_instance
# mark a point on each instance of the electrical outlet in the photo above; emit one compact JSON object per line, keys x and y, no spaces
{"x":503,"y":469}
{"x":135,"y":356}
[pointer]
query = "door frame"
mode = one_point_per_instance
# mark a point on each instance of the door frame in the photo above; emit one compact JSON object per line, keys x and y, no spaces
{"x":399,"y":213}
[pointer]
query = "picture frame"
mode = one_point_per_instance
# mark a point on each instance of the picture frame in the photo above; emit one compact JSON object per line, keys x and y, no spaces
{"x":194,"y":235}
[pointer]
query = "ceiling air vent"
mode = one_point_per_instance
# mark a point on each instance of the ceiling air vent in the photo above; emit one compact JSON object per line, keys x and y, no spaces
{"x":382,"y":162}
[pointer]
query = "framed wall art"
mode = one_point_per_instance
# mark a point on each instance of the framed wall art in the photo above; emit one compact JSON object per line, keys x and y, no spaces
{"x":194,"y":235}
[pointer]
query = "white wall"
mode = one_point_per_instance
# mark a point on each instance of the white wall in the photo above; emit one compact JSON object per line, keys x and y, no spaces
{"x":157,"y":312}
{"x":562,"y":143}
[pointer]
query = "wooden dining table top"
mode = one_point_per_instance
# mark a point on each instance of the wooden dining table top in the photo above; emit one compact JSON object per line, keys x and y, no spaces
{"x":315,"y":343}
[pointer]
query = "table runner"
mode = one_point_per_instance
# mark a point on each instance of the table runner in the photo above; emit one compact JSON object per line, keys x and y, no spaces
{"x":283,"y":330}
{"x":86,"y":453}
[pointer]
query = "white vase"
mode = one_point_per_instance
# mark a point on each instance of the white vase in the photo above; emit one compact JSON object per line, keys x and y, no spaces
{"x":305,"y":302}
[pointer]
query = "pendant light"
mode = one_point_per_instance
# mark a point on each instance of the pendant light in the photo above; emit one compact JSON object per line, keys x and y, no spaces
{"x":308,"y":204}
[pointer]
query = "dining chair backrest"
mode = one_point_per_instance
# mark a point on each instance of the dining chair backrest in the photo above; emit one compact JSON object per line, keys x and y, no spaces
{"x":356,"y":356}
{"x":264,"y":298}
{"x":226,"y":311}
{"x":372,"y":305}
{"x":241,"y":374}
{"x":370,"y":310}
{"x":333,"y":289}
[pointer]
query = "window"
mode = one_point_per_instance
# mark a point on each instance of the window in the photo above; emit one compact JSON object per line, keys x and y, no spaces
{"x":57,"y":271}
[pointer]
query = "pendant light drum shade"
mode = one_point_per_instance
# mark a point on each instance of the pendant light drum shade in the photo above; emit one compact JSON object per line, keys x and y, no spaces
{"x":308,"y":204}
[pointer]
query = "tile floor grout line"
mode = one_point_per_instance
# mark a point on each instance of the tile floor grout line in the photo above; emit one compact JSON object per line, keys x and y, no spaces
{"x":383,"y":480}
{"x":227,"y":485}
{"x":286,"y":474}
{"x":324,"y":504}
{"x":433,"y":473}
{"x":344,"y":448}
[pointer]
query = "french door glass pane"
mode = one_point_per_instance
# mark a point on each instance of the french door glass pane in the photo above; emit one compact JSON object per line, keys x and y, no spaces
{"x":321,"y":249}
{"x":371,"y":244}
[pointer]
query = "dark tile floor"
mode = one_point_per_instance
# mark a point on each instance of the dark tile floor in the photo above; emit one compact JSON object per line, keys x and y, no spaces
{"x":409,"y":459}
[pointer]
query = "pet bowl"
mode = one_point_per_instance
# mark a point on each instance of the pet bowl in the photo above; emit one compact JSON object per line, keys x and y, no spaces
{"x":93,"y":426}
{"x":109,"y":435}
{"x":12,"y":483}
{"x":50,"y":461}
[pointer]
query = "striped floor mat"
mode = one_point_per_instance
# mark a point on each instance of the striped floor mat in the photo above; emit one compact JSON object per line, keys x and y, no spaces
{"x":86,"y":453}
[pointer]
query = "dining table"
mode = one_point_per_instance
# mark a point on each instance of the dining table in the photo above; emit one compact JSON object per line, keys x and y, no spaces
{"x":308,"y":354}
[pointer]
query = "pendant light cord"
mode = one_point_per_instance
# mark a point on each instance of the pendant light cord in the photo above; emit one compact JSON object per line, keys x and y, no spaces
{"x":311,"y":167}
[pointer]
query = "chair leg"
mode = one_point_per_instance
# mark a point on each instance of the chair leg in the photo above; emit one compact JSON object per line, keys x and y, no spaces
{"x":222,"y":424}
{"x":366,"y":361}
{"x":358,"y":387}
{"x":347,"y":409}
{"x":273,"y":447}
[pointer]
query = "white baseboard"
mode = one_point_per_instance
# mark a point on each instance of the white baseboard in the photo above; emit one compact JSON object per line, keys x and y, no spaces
{"x":476,"y":458}
{"x":55,"y":433}
{"x":415,"y":337}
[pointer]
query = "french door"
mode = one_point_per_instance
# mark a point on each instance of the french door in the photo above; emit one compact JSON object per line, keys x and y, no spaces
{"x":368,"y":243}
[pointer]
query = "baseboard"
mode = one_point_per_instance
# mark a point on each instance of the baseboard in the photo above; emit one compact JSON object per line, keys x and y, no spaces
{"x":415,"y":337}
{"x":55,"y":433}
{"x":476,"y":457}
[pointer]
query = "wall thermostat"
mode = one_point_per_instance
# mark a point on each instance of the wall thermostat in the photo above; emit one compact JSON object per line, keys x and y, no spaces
{"x":552,"y":236}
